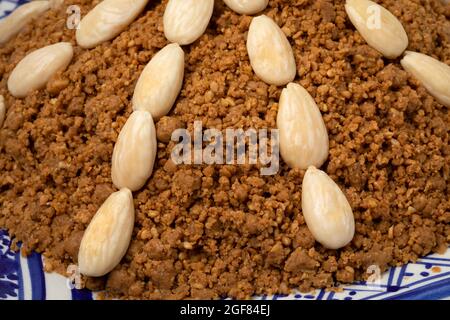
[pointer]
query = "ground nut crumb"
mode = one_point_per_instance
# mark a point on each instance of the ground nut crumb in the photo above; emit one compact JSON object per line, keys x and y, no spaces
{"x":210,"y":231}
{"x":166,"y":126}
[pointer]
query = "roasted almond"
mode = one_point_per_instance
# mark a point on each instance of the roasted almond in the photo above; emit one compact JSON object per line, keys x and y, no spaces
{"x":247,"y":6}
{"x":160,"y":82}
{"x":12,"y":24}
{"x":108,"y":235}
{"x":326,"y":210}
{"x":303,"y":135}
{"x":433,"y":74}
{"x":379,"y":27}
{"x":35,"y":70}
{"x":107,"y":20}
{"x":135,"y":152}
{"x":2,"y":110}
{"x":270,"y":52}
{"x":186,"y":20}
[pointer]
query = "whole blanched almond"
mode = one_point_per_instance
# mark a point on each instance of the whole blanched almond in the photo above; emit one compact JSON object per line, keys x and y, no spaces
{"x":186,"y":20}
{"x":108,"y":236}
{"x":303,"y":135}
{"x":433,"y":74}
{"x":135,"y":152}
{"x":35,"y":70}
{"x":326,"y":210}
{"x":270,"y":52}
{"x":379,"y":27}
{"x":12,"y":24}
{"x":160,"y":82}
{"x":247,"y":6}
{"x":107,"y":20}
{"x":2,"y":110}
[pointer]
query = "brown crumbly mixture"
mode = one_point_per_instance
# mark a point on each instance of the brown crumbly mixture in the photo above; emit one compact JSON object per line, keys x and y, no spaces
{"x":212,"y":231}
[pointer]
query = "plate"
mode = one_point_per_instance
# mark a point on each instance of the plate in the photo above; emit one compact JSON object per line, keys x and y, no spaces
{"x":429,"y":278}
{"x":23,"y":278}
{"x":7,"y":6}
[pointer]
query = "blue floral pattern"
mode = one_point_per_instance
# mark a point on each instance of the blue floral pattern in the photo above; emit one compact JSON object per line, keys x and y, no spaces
{"x":8,"y":269}
{"x":8,"y":6}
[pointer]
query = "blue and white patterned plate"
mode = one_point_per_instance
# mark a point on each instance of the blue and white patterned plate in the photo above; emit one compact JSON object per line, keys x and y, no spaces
{"x":23,"y":278}
{"x":7,"y":6}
